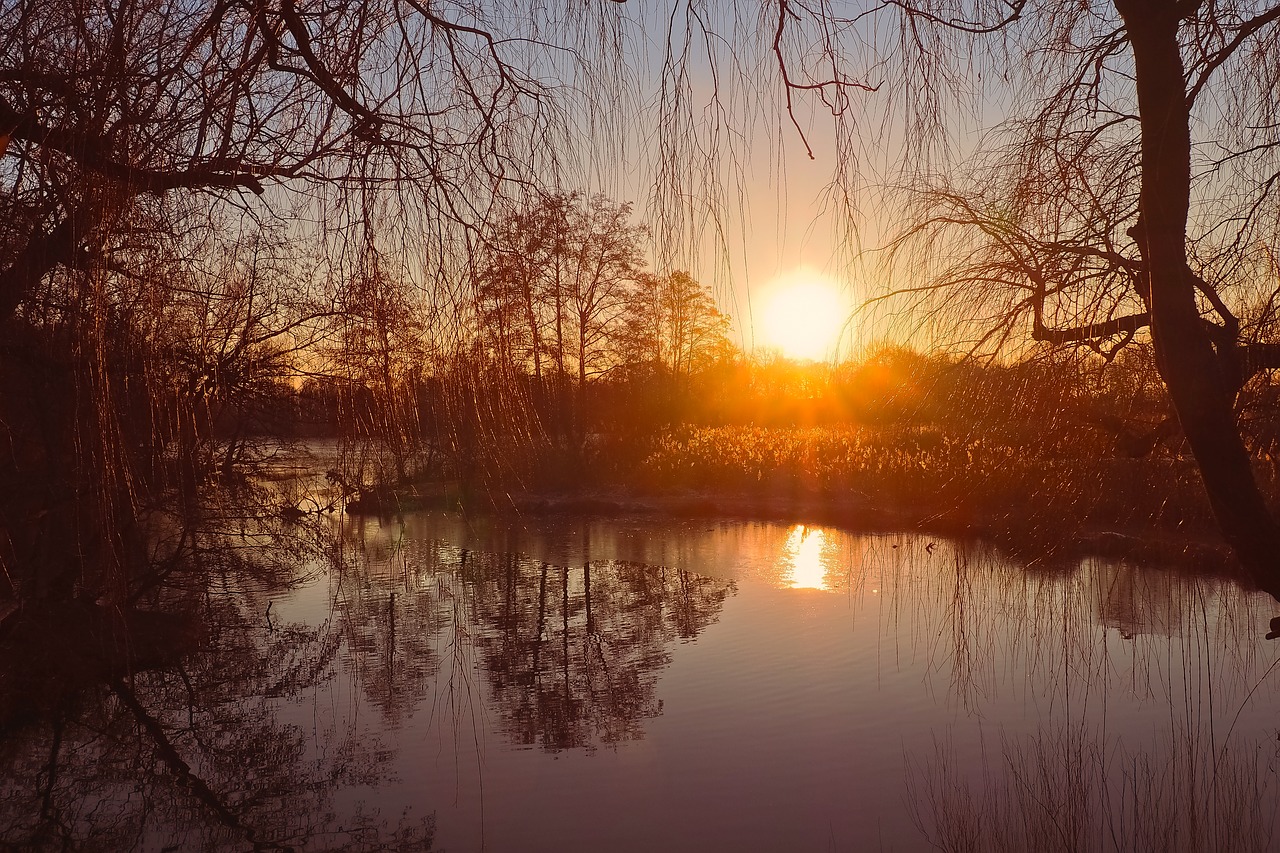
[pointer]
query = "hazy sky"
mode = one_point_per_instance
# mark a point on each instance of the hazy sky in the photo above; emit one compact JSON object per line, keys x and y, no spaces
{"x":776,"y":220}
{"x":765,"y":217}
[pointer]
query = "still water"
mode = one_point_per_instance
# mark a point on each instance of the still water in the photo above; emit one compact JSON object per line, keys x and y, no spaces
{"x":434,"y":682}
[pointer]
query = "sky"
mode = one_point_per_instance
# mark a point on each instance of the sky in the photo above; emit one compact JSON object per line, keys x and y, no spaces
{"x":769,"y":180}
{"x":756,"y":216}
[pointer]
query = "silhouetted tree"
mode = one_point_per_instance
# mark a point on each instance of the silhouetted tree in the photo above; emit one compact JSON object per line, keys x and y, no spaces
{"x":136,"y":136}
{"x":674,"y":325}
{"x":1129,"y":187}
{"x":553,"y":282}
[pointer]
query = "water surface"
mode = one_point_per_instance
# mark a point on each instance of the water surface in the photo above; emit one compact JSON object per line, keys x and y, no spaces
{"x":559,"y":684}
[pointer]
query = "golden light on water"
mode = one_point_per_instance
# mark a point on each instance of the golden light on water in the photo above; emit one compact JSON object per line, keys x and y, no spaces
{"x":804,"y":567}
{"x":804,"y":315}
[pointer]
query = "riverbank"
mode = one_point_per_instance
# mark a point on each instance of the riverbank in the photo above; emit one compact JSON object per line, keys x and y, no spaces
{"x":1042,"y":504}
{"x":1020,"y":531}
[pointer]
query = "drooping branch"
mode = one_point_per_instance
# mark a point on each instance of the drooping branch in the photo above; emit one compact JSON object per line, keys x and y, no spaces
{"x":368,"y":121}
{"x":182,"y":770}
{"x":972,"y":27}
{"x":836,"y":81}
{"x":1215,"y":61}
{"x":89,"y":152}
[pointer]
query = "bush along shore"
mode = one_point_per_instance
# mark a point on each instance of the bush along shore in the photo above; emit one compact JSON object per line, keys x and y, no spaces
{"x":1040,"y":503}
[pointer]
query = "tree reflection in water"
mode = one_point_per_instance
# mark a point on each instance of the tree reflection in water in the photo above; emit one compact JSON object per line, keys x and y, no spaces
{"x":1085,"y":706}
{"x":201,"y":737}
{"x":163,"y":729}
{"x":194,"y":756}
{"x":570,"y":655}
{"x":573,"y":655}
{"x":1144,"y":689}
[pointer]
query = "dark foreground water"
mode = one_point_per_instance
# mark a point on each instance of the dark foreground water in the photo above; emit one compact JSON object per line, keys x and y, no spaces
{"x":567,"y":685}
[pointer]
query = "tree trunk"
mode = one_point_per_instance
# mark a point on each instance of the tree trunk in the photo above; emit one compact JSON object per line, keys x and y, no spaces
{"x":1190,"y":367}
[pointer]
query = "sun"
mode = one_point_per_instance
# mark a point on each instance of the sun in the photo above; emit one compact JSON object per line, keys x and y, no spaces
{"x":804,"y":314}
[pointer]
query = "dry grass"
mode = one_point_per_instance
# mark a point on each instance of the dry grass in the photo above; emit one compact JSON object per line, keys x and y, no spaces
{"x":990,"y":483}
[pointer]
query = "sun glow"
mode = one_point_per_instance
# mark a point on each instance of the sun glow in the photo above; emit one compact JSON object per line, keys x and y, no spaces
{"x":803,"y":316}
{"x":805,"y":566}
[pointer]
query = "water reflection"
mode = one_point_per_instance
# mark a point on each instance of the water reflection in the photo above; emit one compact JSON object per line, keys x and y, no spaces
{"x":1074,"y":788}
{"x":403,"y":684}
{"x":195,"y":754}
{"x":745,"y":550}
{"x":805,"y":558}
{"x":998,"y":685}
{"x":252,"y":733}
{"x":570,"y":654}
{"x":1148,"y":719}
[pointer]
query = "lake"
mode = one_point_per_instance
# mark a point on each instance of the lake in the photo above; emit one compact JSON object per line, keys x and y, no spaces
{"x":559,"y":684}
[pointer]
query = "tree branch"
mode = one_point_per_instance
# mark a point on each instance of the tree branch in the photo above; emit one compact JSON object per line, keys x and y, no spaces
{"x":182,"y":770}
{"x":43,"y":252}
{"x":1126,"y":325}
{"x":1247,"y":29}
{"x":88,"y":151}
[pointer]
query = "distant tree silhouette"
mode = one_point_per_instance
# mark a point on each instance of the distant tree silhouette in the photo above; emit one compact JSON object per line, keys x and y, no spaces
{"x":674,"y":325}
{"x":553,"y":283}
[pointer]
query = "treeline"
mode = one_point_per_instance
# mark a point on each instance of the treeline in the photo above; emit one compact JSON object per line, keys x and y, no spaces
{"x":1052,"y":404}
{"x":553,"y":329}
{"x":890,"y":386}
{"x":552,"y":339}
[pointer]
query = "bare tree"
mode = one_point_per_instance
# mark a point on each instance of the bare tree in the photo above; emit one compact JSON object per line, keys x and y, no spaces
{"x":552,"y":287}
{"x":675,"y":326}
{"x":603,"y":250}
{"x":521,"y":266}
{"x":132,"y":131}
{"x":1126,"y":188}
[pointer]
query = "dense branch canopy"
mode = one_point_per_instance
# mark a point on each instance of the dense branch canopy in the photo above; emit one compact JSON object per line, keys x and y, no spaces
{"x":1034,"y":231}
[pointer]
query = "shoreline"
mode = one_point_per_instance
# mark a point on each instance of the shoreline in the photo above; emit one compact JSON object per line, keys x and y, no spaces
{"x":1037,"y":542}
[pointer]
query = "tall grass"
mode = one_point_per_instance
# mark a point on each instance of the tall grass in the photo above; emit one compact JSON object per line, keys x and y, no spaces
{"x":927,"y":473}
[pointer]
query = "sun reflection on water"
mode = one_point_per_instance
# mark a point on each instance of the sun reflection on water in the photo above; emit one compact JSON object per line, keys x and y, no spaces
{"x":803,"y":566}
